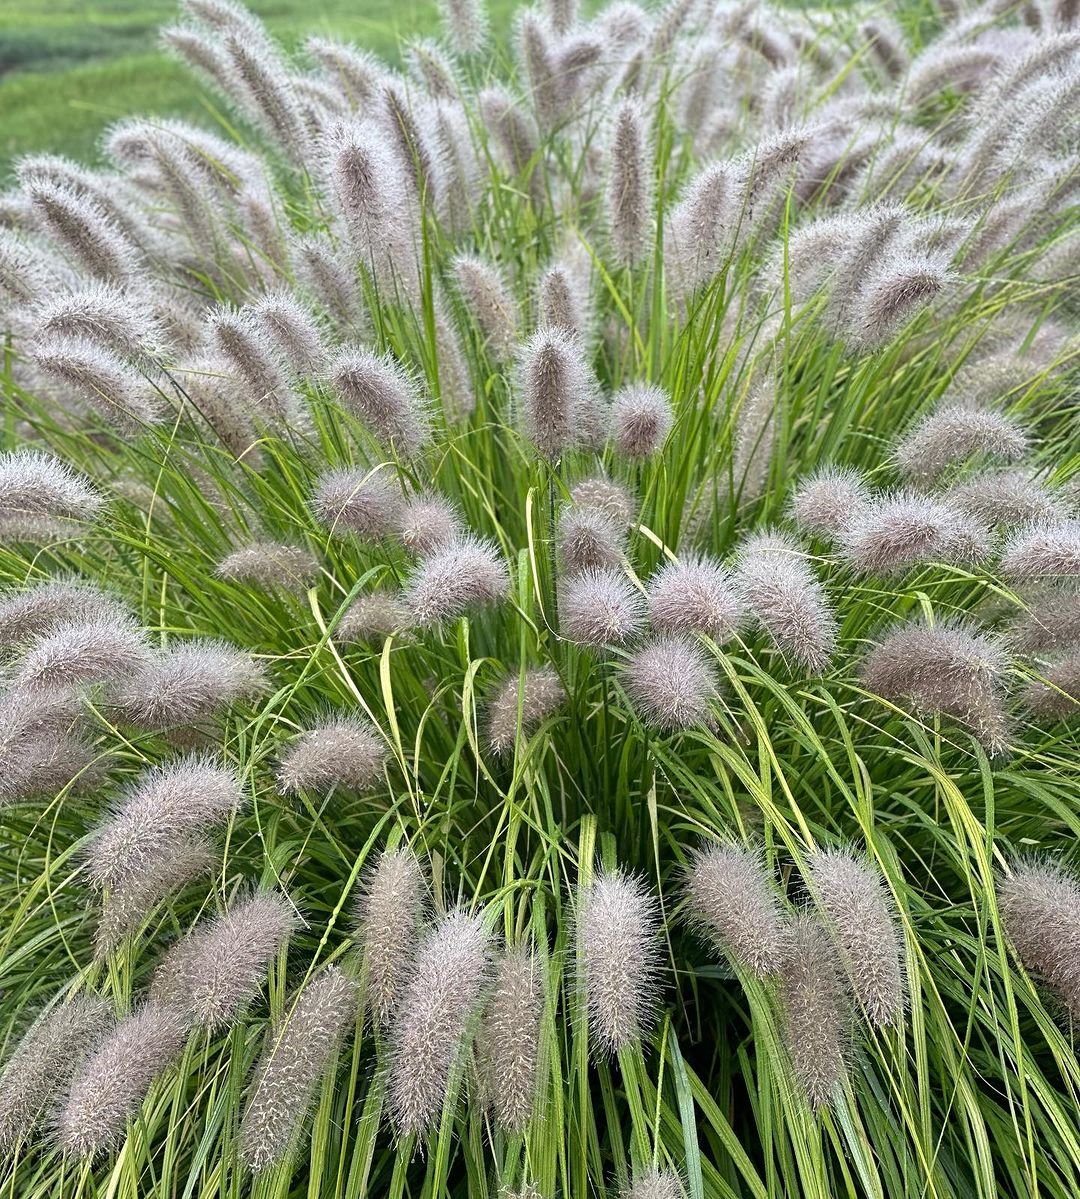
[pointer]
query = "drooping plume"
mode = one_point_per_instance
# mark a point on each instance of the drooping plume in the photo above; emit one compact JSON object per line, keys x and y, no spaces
{"x":39,"y":610}
{"x":270,"y":564}
{"x":43,"y":748}
{"x":538,"y":695}
{"x":389,"y":917}
{"x":42,"y":498}
{"x":953,"y":433}
{"x":893,"y":533}
{"x":374,"y":617}
{"x":366,"y":504}
{"x":340,"y":751}
{"x":72,"y":655}
{"x":828,"y":501}
{"x":1056,"y":696}
{"x":1039,"y":903}
{"x":1043,"y":551}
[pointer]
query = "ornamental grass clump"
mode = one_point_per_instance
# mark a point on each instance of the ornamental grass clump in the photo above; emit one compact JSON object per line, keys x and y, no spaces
{"x":487,"y":523}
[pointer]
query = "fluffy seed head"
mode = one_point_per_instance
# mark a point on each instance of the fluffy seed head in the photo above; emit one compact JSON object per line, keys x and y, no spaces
{"x":374,"y":617}
{"x":102,"y":380}
{"x":655,"y":1184}
{"x":44,"y":1062}
{"x":671,"y":683}
{"x":696,"y":595}
{"x":600,"y":607}
{"x":607,"y":496}
{"x":294,"y":330}
{"x":557,"y":391}
{"x":950,"y":669}
{"x":117,"y":318}
{"x":71,"y":655}
{"x":380,"y":392}
{"x":629,"y":196}
{"x":241,"y":341}
{"x":640,"y":420}
{"x":35,"y":485}
{"x":560,"y":302}
{"x":1058,"y":697}
{"x":902,"y":288}
{"x":618,"y":959}
{"x":289,"y":1074}
{"x":179,"y":799}
{"x":828,"y":501}
{"x":1051,"y":622}
{"x":1043,"y":551}
{"x":270,"y":564}
{"x":39,"y":610}
{"x":814,"y":1009}
{"x":465,"y":22}
{"x":489,"y":303}
{"x":428,"y":522}
{"x":365,"y":504}
{"x":540,"y":694}
{"x":437,"y":1007}
{"x":184,"y":685}
{"x":896,"y":532}
{"x":468,"y":572}
{"x":341,"y":751}
{"x":111,"y":1085}
{"x":84,"y":229}
{"x":784,"y":597}
{"x":953,"y":433}
{"x":734,"y":902}
{"x":588,"y":539}
{"x":42,"y":749}
{"x":859,"y":913}
{"x":1006,"y":497}
{"x":1039,"y":903}
{"x":389,"y":917}
{"x":217,"y":970}
{"x":509,"y":1038}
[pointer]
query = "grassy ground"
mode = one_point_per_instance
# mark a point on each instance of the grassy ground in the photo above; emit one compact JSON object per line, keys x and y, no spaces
{"x":68,"y":67}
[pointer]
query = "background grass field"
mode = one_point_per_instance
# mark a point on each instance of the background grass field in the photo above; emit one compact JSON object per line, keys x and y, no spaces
{"x":69,"y":67}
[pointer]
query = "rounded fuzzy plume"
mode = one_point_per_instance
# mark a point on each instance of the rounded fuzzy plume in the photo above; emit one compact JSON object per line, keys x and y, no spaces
{"x":557,"y":392}
{"x":44,"y":1062}
{"x":814,"y":1009}
{"x":588,"y":539}
{"x":902,"y":287}
{"x":561,"y":302}
{"x":39,"y":610}
{"x":509,"y":1038}
{"x":385,"y":397}
{"x":894,"y":533}
{"x":294,"y":1065}
{"x":539,"y":695}
{"x":294,"y":331}
{"x":618,"y":959}
{"x":106,"y":650}
{"x":341,"y":751}
{"x":1056,"y":696}
{"x":489,"y":303}
{"x":1052,"y":621}
{"x":696,"y":595}
{"x":217,"y":970}
{"x":655,"y":1184}
{"x":734,"y":902}
{"x":116,"y":318}
{"x":242,"y":342}
{"x":42,"y":748}
{"x":1013,"y":498}
{"x":270,"y":564}
{"x":111,"y":1085}
{"x":1043,"y":551}
{"x":630,"y":186}
{"x":1039,"y":903}
{"x":828,"y":501}
{"x":640,"y":420}
{"x":465,"y":22}
{"x":600,"y":607}
{"x":83,"y":228}
{"x":428,"y":522}
{"x":374,"y":617}
{"x":782,"y":594}
{"x":166,"y":803}
{"x":389,"y":918}
{"x":671,"y":682}
{"x":468,"y":572}
{"x":37,"y":489}
{"x":365,"y":504}
{"x":951,"y":669}
{"x":604,"y":495}
{"x":952,"y":434}
{"x":437,"y":1007}
{"x":860,"y":914}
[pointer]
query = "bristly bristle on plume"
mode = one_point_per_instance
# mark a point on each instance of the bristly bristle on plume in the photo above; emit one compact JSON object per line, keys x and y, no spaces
{"x":561,"y":302}
{"x":509,"y":1038}
{"x":341,"y":751}
{"x":427,"y":522}
{"x":294,"y":1064}
{"x":949,"y":668}
{"x":829,"y":500}
{"x":217,"y":970}
{"x":782,"y":594}
{"x":373,"y":617}
{"x":618,"y":959}
{"x":814,"y":1009}
{"x":434,"y":1018}
{"x":465,"y":22}
{"x":26,"y":615}
{"x":365,"y":504}
{"x":71,"y":655}
{"x":1012,"y":498}
{"x":44,"y":1062}
{"x":1051,"y":622}
{"x":468,"y":572}
{"x":557,"y":392}
{"x":953,"y":433}
{"x":35,"y":485}
{"x":605,"y":495}
{"x":630,"y":186}
{"x":655,"y":1184}
{"x":696,"y":595}
{"x":384,"y":396}
{"x":1056,"y":694}
{"x":270,"y":564}
{"x":588,"y":539}
{"x":489,"y":303}
{"x":178,"y":799}
{"x":600,"y":607}
{"x":893,"y":533}
{"x":641,"y":419}
{"x":1039,"y":903}
{"x":294,"y":331}
{"x":389,"y":918}
{"x":123,"y":397}
{"x":902,"y":287}
{"x":42,"y":745}
{"x":859,"y":912}
{"x":112,"y":1083}
{"x":540,"y":694}
{"x":1043,"y":551}
{"x":735,"y":904}
{"x":671,"y":682}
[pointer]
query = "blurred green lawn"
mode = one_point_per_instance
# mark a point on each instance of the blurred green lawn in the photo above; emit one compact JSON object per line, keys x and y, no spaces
{"x":69,"y":67}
